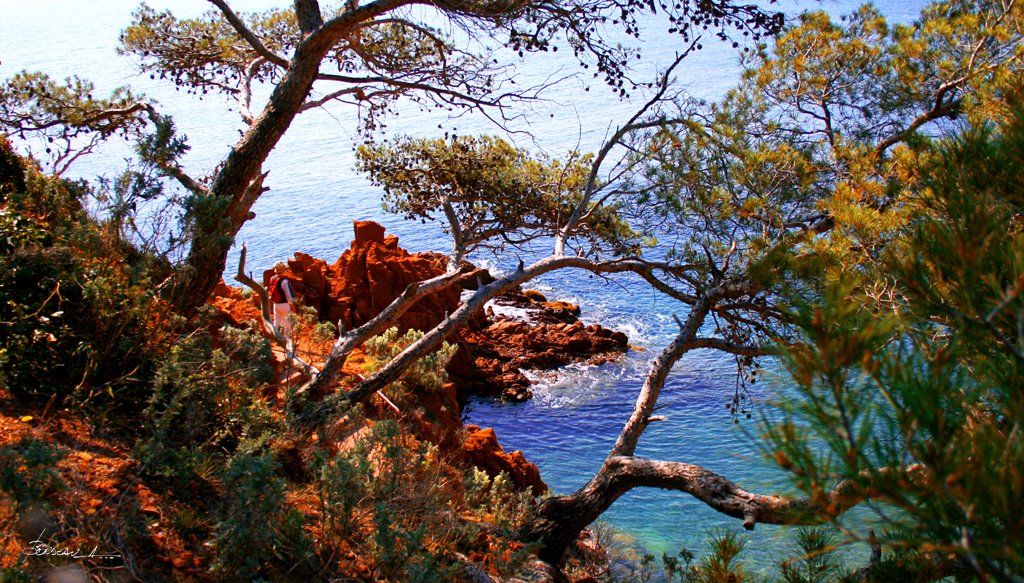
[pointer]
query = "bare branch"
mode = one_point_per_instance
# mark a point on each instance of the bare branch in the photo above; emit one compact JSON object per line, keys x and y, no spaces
{"x":321,"y":101}
{"x":268,"y":327}
{"x":433,"y":338}
{"x":245,"y":97}
{"x":626,"y":444}
{"x":260,"y":291}
{"x":169,"y":168}
{"x":631,"y":125}
{"x":343,"y":346}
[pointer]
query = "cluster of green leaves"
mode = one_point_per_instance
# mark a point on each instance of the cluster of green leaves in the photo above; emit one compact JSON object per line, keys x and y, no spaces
{"x":204,"y":406}
{"x":206,"y":54}
{"x":75,"y":300}
{"x":426,"y":374}
{"x":28,"y":473}
{"x":67,"y":118}
{"x":387,"y":500}
{"x":807,"y":136}
{"x":494,"y":502}
{"x":918,"y":401}
{"x":488,"y":193}
{"x":257,"y":534}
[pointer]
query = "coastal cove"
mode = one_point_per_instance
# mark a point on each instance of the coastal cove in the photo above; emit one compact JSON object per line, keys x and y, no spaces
{"x":315,"y":195}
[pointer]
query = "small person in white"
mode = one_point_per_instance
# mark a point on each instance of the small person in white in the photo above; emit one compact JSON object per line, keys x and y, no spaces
{"x":283,"y":299}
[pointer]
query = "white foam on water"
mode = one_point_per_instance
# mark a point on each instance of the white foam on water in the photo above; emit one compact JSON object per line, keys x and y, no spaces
{"x":513,"y":312}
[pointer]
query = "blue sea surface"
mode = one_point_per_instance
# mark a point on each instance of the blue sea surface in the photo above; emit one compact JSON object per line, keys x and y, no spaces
{"x":315,"y":194}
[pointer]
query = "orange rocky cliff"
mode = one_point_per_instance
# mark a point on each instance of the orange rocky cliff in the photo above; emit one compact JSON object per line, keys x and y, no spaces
{"x":492,"y":350}
{"x":366,"y":278}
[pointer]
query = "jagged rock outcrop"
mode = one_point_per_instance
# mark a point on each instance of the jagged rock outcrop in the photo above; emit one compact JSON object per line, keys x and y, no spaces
{"x":492,"y":357}
{"x":482,"y":449}
{"x":492,"y":351}
{"x":366,"y":278}
{"x":233,"y":306}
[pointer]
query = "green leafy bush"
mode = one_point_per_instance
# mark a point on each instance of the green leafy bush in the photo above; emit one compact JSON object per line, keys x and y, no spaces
{"x":28,"y":472}
{"x":76,"y":302}
{"x":256,"y":533}
{"x":205,"y":404}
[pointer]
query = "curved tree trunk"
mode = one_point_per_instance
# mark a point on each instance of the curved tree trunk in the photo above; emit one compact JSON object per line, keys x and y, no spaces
{"x":219,"y":214}
{"x":561,"y":519}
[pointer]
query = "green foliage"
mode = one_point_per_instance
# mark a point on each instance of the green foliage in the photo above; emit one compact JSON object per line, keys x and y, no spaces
{"x":920,"y":406}
{"x":389,"y":500}
{"x":489,"y":193}
{"x":139,"y":203}
{"x":203,"y":54}
{"x":256,"y":533}
{"x":205,"y":404}
{"x":66,"y":117}
{"x":427,"y":373}
{"x":28,"y":472}
{"x":14,"y":575}
{"x":818,"y":138}
{"x":52,"y":349}
{"x":719,"y":563}
{"x":817,"y":561}
{"x":18,"y":231}
{"x":75,"y":298}
{"x":495,"y":500}
{"x":12,"y":171}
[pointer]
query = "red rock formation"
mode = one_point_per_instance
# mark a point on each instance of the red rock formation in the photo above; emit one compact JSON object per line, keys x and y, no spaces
{"x":233,"y":305}
{"x":366,"y":278}
{"x":492,"y":351}
{"x":483,"y":450}
{"x":491,"y":357}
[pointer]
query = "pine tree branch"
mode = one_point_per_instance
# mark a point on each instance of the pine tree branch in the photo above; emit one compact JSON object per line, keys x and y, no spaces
{"x":248,"y":35}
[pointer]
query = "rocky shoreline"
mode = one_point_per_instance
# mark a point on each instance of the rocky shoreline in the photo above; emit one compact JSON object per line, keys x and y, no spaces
{"x":526,"y":332}
{"x":492,"y":350}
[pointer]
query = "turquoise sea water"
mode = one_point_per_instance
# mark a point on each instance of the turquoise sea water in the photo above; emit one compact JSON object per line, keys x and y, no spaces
{"x":315,"y":194}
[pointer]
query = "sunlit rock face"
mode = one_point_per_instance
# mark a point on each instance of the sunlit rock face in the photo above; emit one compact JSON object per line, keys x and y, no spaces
{"x":493,"y":349}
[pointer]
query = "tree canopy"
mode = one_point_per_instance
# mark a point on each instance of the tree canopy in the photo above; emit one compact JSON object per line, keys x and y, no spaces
{"x":368,"y":54}
{"x":852,"y":206}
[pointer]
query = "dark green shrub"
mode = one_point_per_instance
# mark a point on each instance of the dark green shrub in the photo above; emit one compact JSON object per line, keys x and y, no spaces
{"x":28,"y":472}
{"x":205,"y":404}
{"x":76,"y":302}
{"x":256,"y":533}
